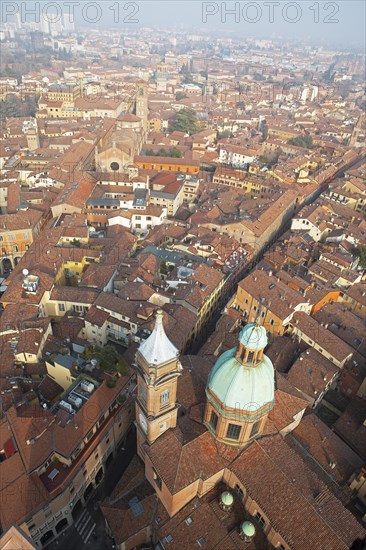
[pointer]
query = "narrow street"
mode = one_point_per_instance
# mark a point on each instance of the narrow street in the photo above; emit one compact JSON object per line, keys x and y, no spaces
{"x":89,"y":529}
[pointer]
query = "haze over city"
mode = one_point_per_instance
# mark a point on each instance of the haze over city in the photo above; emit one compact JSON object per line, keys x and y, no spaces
{"x":182,"y":275}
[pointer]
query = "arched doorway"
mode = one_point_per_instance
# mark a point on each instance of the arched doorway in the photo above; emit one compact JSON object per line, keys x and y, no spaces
{"x":46,"y":537}
{"x":99,"y":476}
{"x":88,"y":491}
{"x":108,"y":462}
{"x":6,"y":265}
{"x":77,"y":510}
{"x":60,"y":526}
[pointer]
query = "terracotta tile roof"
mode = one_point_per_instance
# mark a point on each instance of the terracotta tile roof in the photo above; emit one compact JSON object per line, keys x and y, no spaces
{"x":288,"y":403}
{"x":180,"y":463}
{"x":49,"y":388}
{"x":20,"y":494}
{"x":278,"y":297}
{"x":357,"y":292}
{"x":311,"y":373}
{"x":34,"y":422}
{"x":321,"y":336}
{"x":351,"y":425}
{"x":331,"y":452}
{"x":74,"y":294}
{"x":277,"y":479}
{"x":97,"y":275}
{"x":117,"y":508}
{"x":136,"y":291}
{"x":96,"y":316}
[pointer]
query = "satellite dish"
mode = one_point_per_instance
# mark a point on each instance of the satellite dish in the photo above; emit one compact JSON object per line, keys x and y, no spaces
{"x":25,"y":272}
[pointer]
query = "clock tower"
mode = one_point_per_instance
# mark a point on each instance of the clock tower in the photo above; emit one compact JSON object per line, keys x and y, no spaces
{"x":158,"y":368}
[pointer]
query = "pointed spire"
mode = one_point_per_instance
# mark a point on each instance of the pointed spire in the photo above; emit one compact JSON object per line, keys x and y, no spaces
{"x":158,"y":349}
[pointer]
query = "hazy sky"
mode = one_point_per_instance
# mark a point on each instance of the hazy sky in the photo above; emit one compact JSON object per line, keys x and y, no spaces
{"x":341,"y":22}
{"x":333,"y":23}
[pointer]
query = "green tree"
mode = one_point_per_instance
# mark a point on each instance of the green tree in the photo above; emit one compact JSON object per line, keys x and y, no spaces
{"x":301,"y":141}
{"x":163,"y":267}
{"x":185,"y":121}
{"x":180,"y":95}
{"x":361,"y":253}
{"x":176,"y":153}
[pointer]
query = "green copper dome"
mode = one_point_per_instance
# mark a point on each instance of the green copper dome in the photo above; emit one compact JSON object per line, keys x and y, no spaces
{"x":253,"y":337}
{"x":248,"y":528}
{"x":227,"y":498}
{"x":243,"y":386}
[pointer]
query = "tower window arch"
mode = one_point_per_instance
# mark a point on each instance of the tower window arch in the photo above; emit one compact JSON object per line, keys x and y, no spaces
{"x":164,"y":398}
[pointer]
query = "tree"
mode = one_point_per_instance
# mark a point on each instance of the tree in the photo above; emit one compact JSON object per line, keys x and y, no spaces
{"x":301,"y":141}
{"x":13,"y":106}
{"x":180,"y":95}
{"x":163,"y":267}
{"x":185,"y":121}
{"x":361,"y":253}
{"x":176,"y":153}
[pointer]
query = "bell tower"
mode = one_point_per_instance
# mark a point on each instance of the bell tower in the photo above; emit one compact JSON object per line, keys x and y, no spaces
{"x":158,"y":368}
{"x":142,"y":103}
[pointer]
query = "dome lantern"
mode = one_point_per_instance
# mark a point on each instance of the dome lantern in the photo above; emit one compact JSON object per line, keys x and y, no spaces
{"x":252,"y":341}
{"x":226,"y":501}
{"x":247,"y":531}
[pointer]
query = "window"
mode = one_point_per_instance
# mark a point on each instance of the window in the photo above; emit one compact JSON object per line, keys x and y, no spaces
{"x":16,"y":249}
{"x":250,"y":356}
{"x":164,"y":398}
{"x":239,"y":490}
{"x":255,"y":429}
{"x":61,"y":307}
{"x":260,"y":519}
{"x":201,"y":541}
{"x":233,"y":431}
{"x":280,"y":546}
{"x":213,"y":420}
{"x":271,"y":322}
